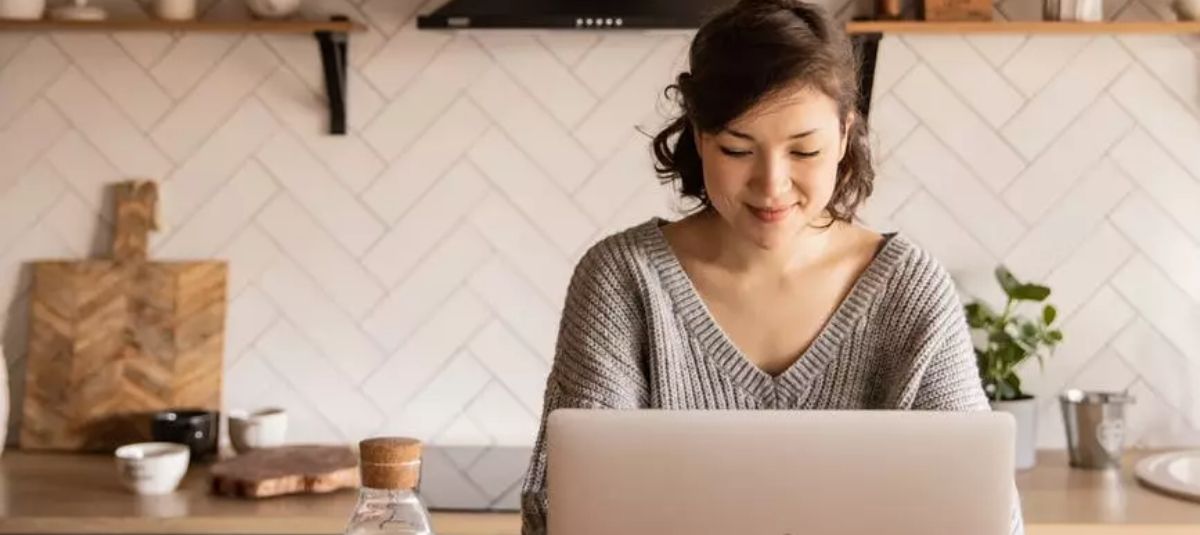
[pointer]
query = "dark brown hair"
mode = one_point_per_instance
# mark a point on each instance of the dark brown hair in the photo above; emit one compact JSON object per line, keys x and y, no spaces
{"x":746,"y":54}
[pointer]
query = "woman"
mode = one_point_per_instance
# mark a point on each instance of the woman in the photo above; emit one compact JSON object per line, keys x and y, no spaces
{"x":768,"y":296}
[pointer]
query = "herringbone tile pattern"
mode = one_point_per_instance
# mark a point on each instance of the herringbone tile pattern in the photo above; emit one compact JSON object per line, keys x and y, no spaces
{"x":406,"y":278}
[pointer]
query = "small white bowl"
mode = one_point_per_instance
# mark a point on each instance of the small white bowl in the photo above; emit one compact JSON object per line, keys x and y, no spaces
{"x":263,"y":428}
{"x":152,"y":467}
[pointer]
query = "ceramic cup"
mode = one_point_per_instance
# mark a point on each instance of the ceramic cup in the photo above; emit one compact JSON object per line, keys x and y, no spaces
{"x":152,"y":467}
{"x":175,"y":9}
{"x":1187,"y":9}
{"x":273,"y":9}
{"x":263,"y":428}
{"x":194,"y":428}
{"x":22,"y":9}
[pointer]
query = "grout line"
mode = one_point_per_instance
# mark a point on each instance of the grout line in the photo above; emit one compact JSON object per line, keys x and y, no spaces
{"x":253,"y":218}
{"x":1140,"y":377}
{"x":83,"y":132}
{"x":887,"y":155}
{"x":1042,"y":88}
{"x":295,"y":388}
{"x":430,"y":317}
{"x":1071,"y":191}
{"x":388,"y":288}
{"x":530,"y":92}
{"x":178,"y":101}
{"x":1073,"y":123}
{"x":1154,"y":263}
{"x":103,"y":91}
{"x":547,"y":173}
{"x":995,"y":130}
{"x":21,"y":49}
{"x":999,"y":64}
{"x":511,"y":203}
{"x":624,"y":80}
{"x":448,"y":361}
{"x":241,"y":166}
{"x":284,"y":128}
{"x":462,"y":157}
{"x":381,"y":352}
{"x":996,"y":196}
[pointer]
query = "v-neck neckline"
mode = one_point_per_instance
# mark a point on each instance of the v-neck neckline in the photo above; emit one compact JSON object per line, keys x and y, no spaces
{"x":700,"y":321}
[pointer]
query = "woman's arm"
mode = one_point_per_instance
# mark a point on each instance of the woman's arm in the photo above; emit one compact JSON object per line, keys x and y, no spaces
{"x":950,"y":379}
{"x":597,"y":361}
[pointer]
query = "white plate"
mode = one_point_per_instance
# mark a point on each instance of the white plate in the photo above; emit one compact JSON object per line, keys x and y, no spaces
{"x":1176,"y":473}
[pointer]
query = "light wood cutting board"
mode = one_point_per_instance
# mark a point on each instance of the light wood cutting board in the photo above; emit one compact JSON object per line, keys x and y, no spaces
{"x":113,"y":340}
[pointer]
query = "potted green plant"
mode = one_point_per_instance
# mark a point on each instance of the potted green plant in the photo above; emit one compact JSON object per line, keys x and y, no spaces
{"x":1007,"y":339}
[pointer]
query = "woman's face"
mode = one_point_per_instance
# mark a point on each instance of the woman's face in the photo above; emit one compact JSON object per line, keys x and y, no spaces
{"x":771,"y":172}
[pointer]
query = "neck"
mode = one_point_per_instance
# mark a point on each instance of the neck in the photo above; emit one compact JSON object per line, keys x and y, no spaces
{"x":741,"y":255}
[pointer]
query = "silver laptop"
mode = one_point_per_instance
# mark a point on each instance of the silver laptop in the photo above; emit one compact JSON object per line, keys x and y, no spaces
{"x":655,"y":472}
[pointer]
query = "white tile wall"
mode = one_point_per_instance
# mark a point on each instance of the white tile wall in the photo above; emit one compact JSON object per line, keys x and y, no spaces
{"x":1104,"y":196}
{"x":27,"y":74}
{"x":407,"y":277}
{"x":122,"y":79}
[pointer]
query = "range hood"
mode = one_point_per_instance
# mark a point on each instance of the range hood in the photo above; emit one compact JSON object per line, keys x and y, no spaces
{"x":573,"y":14}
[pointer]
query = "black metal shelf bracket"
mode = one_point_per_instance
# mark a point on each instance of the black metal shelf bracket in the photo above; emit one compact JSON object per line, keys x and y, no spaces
{"x":333,"y":61}
{"x":866,"y":45}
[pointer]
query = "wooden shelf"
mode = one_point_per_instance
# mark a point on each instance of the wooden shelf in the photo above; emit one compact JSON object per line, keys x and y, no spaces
{"x":151,"y":25}
{"x":915,"y":26}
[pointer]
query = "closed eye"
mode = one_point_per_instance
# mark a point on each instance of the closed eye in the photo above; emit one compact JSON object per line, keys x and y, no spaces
{"x":740,"y":153}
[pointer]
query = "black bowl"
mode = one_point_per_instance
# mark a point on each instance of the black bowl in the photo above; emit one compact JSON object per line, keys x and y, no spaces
{"x":196,"y":428}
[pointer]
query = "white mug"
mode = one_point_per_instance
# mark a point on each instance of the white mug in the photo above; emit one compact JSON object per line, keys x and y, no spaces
{"x":263,"y":428}
{"x":273,"y":9}
{"x":175,"y":9}
{"x":1187,"y":9}
{"x":22,"y":9}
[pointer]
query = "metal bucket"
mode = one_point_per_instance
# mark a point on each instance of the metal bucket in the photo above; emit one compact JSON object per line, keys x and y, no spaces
{"x":1095,"y":425}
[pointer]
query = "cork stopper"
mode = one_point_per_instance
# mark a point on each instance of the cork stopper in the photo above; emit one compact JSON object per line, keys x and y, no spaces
{"x":390,"y":462}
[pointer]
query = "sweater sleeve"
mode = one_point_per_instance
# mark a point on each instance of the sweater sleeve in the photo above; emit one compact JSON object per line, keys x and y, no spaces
{"x":597,"y":361}
{"x":950,"y":380}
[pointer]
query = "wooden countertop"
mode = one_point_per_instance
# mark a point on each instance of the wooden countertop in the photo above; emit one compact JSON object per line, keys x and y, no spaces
{"x":44,"y":493}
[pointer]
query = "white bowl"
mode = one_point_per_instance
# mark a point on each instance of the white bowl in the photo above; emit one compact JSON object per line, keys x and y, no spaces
{"x":263,"y":428}
{"x":152,"y":467}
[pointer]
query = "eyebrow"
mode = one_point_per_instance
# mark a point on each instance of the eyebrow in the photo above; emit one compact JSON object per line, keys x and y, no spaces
{"x":744,"y":135}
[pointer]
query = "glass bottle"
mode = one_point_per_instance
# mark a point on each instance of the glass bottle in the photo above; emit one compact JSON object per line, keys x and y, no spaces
{"x":388,"y":502}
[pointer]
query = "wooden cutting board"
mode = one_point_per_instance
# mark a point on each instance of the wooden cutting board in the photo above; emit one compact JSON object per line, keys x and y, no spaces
{"x":113,"y":340}
{"x":286,"y":470}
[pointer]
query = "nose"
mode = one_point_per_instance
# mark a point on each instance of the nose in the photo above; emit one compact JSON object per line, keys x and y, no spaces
{"x":772,"y":176}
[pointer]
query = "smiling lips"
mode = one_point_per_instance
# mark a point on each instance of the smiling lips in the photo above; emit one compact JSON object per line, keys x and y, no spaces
{"x":773,"y":214}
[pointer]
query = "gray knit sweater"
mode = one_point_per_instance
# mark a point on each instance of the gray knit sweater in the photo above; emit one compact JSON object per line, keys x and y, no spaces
{"x":635,"y":334}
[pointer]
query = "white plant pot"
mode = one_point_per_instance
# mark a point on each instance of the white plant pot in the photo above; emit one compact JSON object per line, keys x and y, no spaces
{"x":22,"y":9}
{"x":1025,"y":413}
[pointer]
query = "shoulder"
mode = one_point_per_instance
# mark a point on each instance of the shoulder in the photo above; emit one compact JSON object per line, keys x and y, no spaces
{"x":917,"y":282}
{"x":614,"y":262}
{"x":619,"y":248}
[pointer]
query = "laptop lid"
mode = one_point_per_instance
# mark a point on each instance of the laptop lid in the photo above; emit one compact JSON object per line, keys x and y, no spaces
{"x":655,"y":472}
